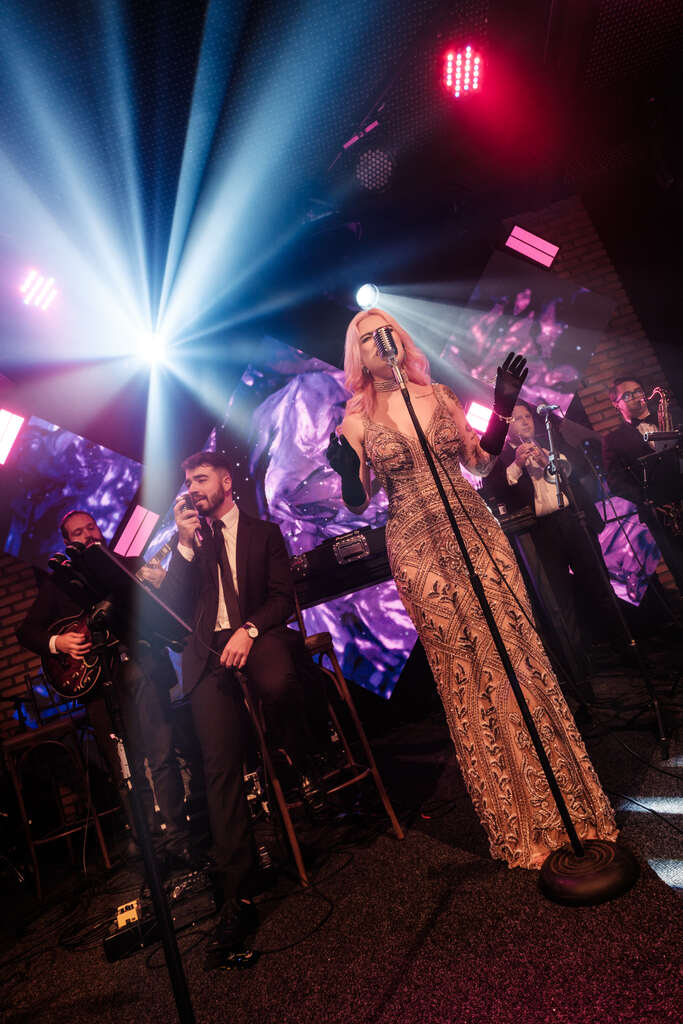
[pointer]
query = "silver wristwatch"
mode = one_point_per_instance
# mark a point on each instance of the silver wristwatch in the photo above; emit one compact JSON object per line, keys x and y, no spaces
{"x":251,"y":629}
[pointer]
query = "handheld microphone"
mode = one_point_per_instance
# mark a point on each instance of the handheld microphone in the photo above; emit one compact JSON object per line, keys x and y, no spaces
{"x":386,"y":346}
{"x":189,"y":504}
{"x":540,"y":409}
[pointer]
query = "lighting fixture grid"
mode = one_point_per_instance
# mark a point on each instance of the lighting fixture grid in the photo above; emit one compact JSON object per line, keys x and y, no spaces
{"x":462,"y":71}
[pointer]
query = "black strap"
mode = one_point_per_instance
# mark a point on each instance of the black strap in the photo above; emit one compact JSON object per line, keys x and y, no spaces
{"x":229,"y":593}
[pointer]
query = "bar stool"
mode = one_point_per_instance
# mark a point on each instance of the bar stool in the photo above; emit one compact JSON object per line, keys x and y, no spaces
{"x":63,"y":735}
{"x":319,"y":646}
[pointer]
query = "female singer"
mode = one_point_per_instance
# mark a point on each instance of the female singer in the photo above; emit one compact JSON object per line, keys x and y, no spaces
{"x":494,"y":750}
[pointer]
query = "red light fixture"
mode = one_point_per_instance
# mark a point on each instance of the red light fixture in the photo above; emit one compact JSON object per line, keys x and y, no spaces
{"x":462,"y":71}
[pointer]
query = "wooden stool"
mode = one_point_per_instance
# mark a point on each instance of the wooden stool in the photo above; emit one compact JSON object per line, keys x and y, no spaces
{"x":62,"y":734}
{"x":319,"y":646}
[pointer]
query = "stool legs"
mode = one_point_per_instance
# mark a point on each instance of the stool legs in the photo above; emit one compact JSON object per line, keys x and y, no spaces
{"x":277,"y":787}
{"x":27,"y":825}
{"x":15,"y":751}
{"x":343,"y":689}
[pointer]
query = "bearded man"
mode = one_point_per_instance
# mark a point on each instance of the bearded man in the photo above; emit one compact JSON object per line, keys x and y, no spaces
{"x":230,"y":576}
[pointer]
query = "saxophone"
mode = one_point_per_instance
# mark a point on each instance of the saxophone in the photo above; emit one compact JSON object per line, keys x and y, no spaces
{"x":664,"y":422}
{"x":670,"y":514}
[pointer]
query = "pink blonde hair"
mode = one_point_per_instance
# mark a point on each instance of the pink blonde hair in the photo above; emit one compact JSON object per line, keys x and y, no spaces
{"x":415,"y":365}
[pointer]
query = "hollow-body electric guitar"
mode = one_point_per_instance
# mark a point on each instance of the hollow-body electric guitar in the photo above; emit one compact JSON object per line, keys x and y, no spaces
{"x":73,"y":678}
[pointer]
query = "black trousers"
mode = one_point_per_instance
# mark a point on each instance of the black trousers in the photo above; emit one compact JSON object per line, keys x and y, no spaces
{"x":221,"y":724}
{"x":146,"y":712}
{"x":561,"y":544}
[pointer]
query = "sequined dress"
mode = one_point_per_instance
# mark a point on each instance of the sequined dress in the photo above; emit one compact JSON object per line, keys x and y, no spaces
{"x":493,"y":747}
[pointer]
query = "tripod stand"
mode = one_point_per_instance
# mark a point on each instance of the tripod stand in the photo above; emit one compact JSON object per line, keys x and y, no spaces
{"x":582,"y":873}
{"x":126,"y":608}
{"x":566,"y":499}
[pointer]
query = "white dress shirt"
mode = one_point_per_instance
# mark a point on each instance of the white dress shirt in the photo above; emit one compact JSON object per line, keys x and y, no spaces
{"x":230,"y":521}
{"x":545,"y":494}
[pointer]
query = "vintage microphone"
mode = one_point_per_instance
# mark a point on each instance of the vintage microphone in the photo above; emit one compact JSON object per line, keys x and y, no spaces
{"x":387,"y":350}
{"x":579,"y":874}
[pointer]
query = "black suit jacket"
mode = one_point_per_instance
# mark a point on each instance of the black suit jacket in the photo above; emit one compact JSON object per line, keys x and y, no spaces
{"x":264,"y":584}
{"x":521,"y":495}
{"x":620,"y":450}
{"x":51,"y":605}
{"x":54,"y":603}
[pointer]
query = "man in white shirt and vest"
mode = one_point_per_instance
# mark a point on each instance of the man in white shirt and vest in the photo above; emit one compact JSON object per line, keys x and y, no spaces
{"x":568,"y":556}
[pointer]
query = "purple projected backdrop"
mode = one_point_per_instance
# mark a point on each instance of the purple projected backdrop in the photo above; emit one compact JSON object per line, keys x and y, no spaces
{"x":553,"y":322}
{"x":51,"y":471}
{"x":276,"y":429}
{"x":556,"y":325}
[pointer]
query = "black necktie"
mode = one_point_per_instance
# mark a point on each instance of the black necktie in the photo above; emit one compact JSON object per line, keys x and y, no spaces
{"x":229,"y":593}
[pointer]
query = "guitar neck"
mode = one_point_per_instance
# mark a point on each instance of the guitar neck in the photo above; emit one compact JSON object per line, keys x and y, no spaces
{"x":158,"y":557}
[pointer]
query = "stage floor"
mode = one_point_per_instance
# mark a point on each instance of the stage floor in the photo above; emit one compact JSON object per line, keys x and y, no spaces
{"x":425,"y":930}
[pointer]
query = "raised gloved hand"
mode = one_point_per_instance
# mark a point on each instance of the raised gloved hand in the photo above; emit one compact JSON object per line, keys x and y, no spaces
{"x":344,"y":460}
{"x":509,"y":379}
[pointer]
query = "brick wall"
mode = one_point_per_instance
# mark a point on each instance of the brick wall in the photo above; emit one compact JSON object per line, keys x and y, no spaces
{"x":17,"y":591}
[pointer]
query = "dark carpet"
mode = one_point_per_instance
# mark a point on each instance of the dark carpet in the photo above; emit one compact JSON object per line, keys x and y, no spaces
{"x":425,"y":930}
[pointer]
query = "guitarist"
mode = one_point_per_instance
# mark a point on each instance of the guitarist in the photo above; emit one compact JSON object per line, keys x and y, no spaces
{"x":143,"y":685}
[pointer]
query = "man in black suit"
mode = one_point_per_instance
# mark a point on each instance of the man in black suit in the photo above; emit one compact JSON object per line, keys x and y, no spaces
{"x":623,"y":450}
{"x":143,"y":685}
{"x":559,"y":544}
{"x":230,"y":576}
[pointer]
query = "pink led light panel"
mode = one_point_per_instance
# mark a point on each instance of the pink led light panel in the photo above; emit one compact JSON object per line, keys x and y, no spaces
{"x":38,"y":290}
{"x":533,"y":246}
{"x":478,"y":416}
{"x":10,"y":425}
{"x":462,"y":71}
{"x":136,"y":532}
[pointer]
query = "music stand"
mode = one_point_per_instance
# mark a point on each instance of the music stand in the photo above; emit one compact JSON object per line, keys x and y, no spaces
{"x":132,"y":612}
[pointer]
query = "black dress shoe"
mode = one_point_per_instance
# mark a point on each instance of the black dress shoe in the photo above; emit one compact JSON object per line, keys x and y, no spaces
{"x":228,"y":947}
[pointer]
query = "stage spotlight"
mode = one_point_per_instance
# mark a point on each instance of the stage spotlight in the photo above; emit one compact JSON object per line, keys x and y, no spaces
{"x":38,"y":290}
{"x":462,"y":71}
{"x":367,"y":296}
{"x":478,"y":416}
{"x":151,"y":346}
{"x":10,"y":425}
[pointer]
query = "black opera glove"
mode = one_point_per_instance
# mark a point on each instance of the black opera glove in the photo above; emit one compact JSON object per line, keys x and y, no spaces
{"x":344,"y":460}
{"x":509,"y":379}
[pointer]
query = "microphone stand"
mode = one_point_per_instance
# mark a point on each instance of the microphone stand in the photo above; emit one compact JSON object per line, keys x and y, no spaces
{"x":562,"y":484}
{"x":584,"y":873}
{"x":174,"y":964}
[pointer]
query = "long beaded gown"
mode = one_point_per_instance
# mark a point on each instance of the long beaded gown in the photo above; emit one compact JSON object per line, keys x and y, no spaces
{"x":494,"y":750}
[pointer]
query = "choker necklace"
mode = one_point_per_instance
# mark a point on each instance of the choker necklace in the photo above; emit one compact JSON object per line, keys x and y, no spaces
{"x":385,"y":385}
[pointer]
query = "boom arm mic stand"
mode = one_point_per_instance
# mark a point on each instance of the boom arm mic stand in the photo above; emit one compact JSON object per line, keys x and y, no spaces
{"x":582,"y":873}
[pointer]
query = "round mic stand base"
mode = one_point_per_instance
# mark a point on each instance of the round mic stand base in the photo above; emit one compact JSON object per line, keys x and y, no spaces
{"x":604,"y":872}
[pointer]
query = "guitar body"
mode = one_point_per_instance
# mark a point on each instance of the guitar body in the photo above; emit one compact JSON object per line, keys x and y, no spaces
{"x":72,"y":678}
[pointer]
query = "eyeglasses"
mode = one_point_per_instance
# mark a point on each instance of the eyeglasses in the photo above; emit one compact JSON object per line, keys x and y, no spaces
{"x":628,"y":395}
